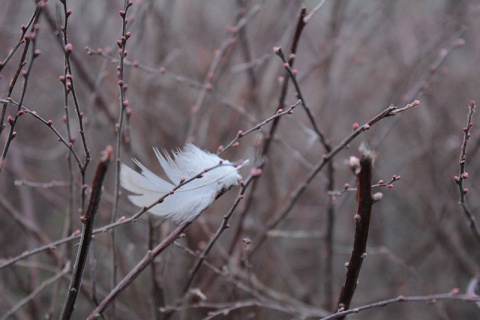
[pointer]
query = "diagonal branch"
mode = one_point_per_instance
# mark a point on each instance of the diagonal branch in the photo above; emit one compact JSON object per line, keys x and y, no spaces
{"x":135,"y":272}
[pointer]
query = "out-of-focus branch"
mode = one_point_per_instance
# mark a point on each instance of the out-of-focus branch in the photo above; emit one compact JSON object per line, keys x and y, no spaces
{"x":34,"y":293}
{"x":207,"y":84}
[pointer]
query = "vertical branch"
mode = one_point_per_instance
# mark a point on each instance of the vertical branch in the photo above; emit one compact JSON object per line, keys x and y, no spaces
{"x":67,"y":88}
{"x":327,"y":250}
{"x":68,"y":82}
{"x":363,"y":168}
{"x":86,"y":239}
{"x":122,"y":52}
{"x":333,"y":34}
{"x":283,"y":92}
{"x":463,"y":174}
{"x":121,"y":43}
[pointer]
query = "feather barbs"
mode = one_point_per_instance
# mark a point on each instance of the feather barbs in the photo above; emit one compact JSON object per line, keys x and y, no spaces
{"x":206,"y":175}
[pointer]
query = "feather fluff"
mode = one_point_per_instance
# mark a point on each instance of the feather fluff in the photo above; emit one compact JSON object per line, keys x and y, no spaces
{"x":189,"y":200}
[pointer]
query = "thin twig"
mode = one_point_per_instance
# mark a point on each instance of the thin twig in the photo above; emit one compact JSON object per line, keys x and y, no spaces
{"x":241,"y":134}
{"x":292,"y":75}
{"x":49,"y":124}
{"x":432,"y":299}
{"x":314,"y":11}
{"x":121,"y":43}
{"x":30,"y":41}
{"x":207,"y":83}
{"x":10,"y":54}
{"x":463,"y":174}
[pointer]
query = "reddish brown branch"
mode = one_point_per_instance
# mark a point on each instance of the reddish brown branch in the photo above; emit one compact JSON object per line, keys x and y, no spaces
{"x":363,"y":170}
{"x":88,"y":220}
{"x":283,"y":94}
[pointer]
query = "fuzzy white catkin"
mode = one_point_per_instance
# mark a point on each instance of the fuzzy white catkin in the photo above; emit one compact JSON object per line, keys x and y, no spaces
{"x":189,"y":200}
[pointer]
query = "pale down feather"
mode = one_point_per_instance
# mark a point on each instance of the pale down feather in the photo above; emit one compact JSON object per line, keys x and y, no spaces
{"x":187,"y":202}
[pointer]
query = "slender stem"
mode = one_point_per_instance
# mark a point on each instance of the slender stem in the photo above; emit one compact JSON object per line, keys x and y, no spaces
{"x":464,"y":175}
{"x":122,"y":43}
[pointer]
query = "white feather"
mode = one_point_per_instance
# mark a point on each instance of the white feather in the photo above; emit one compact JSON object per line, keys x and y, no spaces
{"x":189,"y":200}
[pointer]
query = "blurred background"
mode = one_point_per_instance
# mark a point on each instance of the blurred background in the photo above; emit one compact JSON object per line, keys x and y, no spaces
{"x":200,"y":71}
